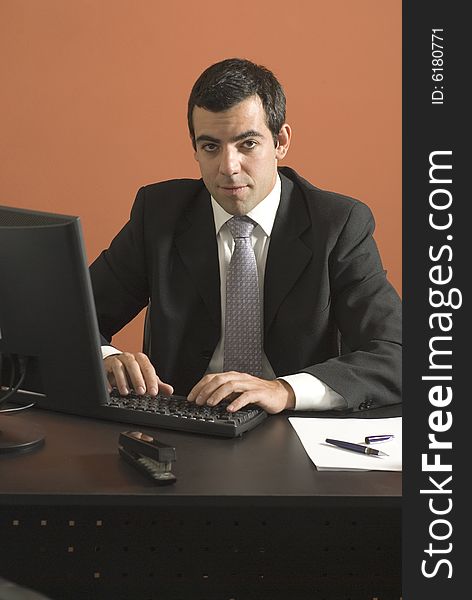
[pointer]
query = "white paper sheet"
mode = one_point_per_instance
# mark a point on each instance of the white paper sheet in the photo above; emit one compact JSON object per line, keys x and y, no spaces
{"x":314,"y":431}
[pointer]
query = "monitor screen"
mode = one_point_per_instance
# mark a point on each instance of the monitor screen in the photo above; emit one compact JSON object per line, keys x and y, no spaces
{"x":48,"y":324}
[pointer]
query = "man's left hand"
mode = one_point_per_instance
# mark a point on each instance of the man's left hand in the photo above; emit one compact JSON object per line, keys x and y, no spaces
{"x":273,"y":396}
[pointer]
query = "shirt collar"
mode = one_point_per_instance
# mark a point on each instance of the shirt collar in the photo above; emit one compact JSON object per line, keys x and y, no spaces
{"x":263,"y":213}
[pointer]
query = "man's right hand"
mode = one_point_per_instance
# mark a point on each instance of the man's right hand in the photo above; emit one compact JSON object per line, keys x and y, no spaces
{"x":128,"y":370}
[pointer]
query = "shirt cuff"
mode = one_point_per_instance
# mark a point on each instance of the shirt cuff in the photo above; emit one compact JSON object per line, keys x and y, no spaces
{"x":109,"y":351}
{"x":312,"y":394}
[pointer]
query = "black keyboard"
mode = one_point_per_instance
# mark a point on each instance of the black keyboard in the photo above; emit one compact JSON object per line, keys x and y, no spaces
{"x":176,"y":412}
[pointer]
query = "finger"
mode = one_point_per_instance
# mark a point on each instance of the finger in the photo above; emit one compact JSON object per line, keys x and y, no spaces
{"x":111,"y":382}
{"x":198,"y":387}
{"x":249,"y":397}
{"x":118,"y":374}
{"x":149,"y":380}
{"x":273,"y":396}
{"x":227,"y":391}
{"x":110,"y":377}
{"x":164,"y":388}
{"x":208,"y":388}
{"x":223,"y":386}
{"x":146,"y":379}
{"x":133,"y":370}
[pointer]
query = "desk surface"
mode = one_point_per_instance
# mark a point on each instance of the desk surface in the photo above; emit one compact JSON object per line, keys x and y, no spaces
{"x":80,"y":464}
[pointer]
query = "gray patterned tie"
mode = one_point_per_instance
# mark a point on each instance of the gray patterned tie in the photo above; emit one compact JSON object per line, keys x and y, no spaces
{"x":243,"y":336}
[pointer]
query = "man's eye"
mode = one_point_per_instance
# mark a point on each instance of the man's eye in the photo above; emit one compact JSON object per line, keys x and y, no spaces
{"x":249,"y":144}
{"x":209,"y":147}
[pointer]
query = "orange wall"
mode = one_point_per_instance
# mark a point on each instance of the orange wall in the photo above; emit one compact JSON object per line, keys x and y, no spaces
{"x":93,"y":101}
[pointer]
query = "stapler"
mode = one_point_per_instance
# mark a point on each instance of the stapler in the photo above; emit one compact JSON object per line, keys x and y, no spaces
{"x":148,"y":455}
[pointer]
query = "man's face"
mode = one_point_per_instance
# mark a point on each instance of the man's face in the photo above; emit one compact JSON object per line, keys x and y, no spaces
{"x":236,"y":153}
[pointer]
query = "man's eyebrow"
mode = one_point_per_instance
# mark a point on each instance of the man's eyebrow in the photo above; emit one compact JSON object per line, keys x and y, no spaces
{"x":207,"y":138}
{"x":237,"y":138}
{"x":246,"y":134}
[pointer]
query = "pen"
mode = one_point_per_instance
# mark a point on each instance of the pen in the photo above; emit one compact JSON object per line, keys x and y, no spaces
{"x":355,"y":447}
{"x":373,"y":439}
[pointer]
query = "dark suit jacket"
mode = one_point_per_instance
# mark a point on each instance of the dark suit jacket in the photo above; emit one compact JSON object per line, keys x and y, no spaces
{"x":323,"y":276}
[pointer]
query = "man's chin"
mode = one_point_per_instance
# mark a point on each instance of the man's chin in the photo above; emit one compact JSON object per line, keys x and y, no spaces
{"x":236,"y":202}
{"x":235,"y":207}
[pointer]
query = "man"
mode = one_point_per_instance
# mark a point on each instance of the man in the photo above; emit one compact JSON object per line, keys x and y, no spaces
{"x":321,"y":285}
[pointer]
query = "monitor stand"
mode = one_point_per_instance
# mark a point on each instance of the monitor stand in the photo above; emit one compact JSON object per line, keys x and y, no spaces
{"x":17,"y":437}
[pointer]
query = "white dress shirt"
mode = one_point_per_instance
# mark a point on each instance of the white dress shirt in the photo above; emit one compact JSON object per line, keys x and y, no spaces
{"x":310,"y":392}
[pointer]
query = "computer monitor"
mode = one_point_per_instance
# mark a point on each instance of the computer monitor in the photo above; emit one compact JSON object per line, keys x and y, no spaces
{"x":48,"y":323}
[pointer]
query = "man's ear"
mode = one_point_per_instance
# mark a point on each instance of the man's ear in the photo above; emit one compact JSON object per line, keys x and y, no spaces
{"x":283,"y":141}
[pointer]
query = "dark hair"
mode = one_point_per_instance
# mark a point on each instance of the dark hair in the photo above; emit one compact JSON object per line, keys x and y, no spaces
{"x":233,"y":80}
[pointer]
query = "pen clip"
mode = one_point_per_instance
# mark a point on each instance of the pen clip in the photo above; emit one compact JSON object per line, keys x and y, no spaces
{"x":376,"y":439}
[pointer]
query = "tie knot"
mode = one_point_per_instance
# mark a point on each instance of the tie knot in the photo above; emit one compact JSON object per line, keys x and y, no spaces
{"x":241,"y":227}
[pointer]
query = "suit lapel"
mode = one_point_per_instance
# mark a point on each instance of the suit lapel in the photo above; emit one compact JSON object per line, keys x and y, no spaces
{"x":197,"y":246}
{"x":288,"y":255}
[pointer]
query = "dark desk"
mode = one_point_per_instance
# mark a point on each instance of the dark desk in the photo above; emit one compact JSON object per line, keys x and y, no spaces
{"x":247,"y":518}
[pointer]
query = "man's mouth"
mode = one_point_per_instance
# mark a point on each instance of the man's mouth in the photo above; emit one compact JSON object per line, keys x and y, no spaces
{"x":233,"y":189}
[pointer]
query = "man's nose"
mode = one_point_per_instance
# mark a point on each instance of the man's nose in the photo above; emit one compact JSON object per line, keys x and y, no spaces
{"x":229,"y":163}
